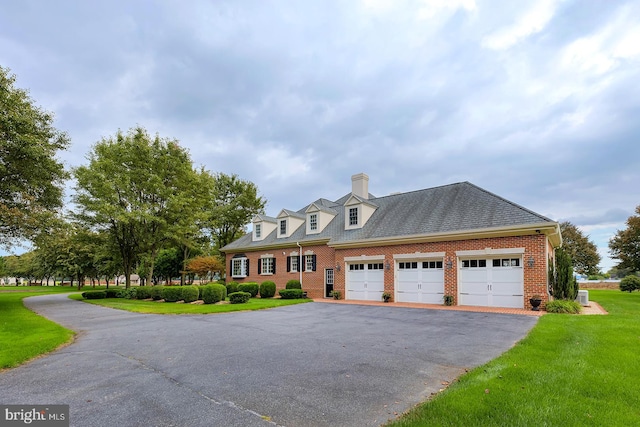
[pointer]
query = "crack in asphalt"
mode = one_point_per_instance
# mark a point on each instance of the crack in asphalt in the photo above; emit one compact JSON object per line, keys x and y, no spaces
{"x":168,"y":377}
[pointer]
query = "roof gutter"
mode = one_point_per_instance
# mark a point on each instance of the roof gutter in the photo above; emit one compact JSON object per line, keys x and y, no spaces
{"x":550,"y":229}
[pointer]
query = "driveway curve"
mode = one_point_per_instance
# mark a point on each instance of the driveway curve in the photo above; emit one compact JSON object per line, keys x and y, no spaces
{"x":310,"y":364}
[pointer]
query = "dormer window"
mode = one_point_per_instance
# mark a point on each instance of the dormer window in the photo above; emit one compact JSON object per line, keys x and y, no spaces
{"x":353,"y":216}
{"x":258,"y":231}
{"x":283,"y":227}
{"x":313,"y":222}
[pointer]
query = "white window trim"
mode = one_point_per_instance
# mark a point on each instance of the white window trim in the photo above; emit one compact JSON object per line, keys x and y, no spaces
{"x":308,"y":261}
{"x":364,"y":258}
{"x":292,"y":269}
{"x":258,"y":231}
{"x":489,"y":251}
{"x":311,"y":223}
{"x":286,"y":227}
{"x":243,"y":267}
{"x":264,"y":260}
{"x":421,"y":256}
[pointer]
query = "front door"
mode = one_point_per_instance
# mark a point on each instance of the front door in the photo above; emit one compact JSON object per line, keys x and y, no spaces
{"x":328,"y":282}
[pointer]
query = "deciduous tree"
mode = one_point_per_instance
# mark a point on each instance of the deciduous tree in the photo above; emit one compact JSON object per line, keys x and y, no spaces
{"x":141,"y":190}
{"x":625,"y":245}
{"x":205,"y":266}
{"x":583,"y":252}
{"x":232,"y":204}
{"x":31,"y":178}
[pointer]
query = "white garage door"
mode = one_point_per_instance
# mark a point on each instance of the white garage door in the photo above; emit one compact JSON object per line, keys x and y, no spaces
{"x":420,"y":281}
{"x":365,"y":281}
{"x":490,"y":282}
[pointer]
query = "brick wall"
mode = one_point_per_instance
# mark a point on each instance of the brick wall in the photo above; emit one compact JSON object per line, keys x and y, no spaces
{"x":535,"y":277}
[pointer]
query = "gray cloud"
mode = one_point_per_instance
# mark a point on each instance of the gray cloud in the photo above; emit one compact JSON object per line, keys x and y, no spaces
{"x":537,"y":102}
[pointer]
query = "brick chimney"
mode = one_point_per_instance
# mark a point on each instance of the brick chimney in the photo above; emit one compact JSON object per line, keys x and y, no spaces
{"x":360,"y":185}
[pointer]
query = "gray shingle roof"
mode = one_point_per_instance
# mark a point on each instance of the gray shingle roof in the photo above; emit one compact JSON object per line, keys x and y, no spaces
{"x":446,"y":209}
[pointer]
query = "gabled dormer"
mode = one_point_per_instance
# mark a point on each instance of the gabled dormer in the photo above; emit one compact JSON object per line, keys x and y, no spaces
{"x":288,"y":222}
{"x":263,"y":226}
{"x":318,"y":217}
{"x":357,"y":212}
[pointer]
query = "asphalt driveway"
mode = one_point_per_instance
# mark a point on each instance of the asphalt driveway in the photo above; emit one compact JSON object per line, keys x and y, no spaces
{"x":310,"y":364}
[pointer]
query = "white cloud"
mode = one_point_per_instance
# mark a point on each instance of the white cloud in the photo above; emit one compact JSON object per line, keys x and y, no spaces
{"x":531,"y":22}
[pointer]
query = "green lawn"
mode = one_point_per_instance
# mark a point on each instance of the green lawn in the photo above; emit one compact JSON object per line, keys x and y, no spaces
{"x":176,"y":308}
{"x":569,"y":371}
{"x":24,"y":334}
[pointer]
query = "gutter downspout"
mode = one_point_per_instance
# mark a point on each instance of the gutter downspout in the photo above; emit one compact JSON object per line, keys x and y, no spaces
{"x":301,"y":261}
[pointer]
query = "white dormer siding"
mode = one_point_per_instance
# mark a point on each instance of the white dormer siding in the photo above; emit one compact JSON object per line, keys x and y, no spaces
{"x":288,"y":223}
{"x":357,"y":212}
{"x":262,"y":227}
{"x":318,"y":217}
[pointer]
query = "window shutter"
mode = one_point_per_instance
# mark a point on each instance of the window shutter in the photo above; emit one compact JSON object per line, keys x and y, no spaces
{"x":247,"y":261}
{"x":231,"y":268}
{"x":313,"y":262}
{"x":274,"y":265}
{"x":260,"y":266}
{"x":288,"y":264}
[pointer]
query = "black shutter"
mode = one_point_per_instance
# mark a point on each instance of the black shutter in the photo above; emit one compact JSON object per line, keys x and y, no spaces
{"x":260,"y":266}
{"x":274,"y":265}
{"x":247,"y":266}
{"x":288,"y":264}
{"x":231,"y":268}
{"x":313,"y":262}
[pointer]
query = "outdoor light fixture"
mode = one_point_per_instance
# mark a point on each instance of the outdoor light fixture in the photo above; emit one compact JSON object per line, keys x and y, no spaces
{"x":338,"y":267}
{"x":531,"y":261}
{"x":388,"y":266}
{"x":449,"y":264}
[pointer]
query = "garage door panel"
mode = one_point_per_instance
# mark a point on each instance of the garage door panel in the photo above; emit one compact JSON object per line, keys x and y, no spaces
{"x":499,"y":284}
{"x":419,"y":284}
{"x":509,"y":301}
{"x":365,"y":283}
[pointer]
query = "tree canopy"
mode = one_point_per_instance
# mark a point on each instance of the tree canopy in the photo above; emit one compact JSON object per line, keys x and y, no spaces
{"x":625,"y":245}
{"x":232,"y":204}
{"x":583,"y":252}
{"x":31,"y":178}
{"x":141,"y":190}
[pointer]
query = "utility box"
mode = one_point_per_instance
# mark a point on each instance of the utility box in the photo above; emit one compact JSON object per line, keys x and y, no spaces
{"x":583,"y":297}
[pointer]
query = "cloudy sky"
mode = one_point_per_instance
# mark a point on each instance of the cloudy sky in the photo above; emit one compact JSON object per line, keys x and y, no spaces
{"x":536,"y":101}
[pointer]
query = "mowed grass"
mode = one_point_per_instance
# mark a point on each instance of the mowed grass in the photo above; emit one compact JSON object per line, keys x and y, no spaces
{"x":155,"y":307}
{"x":24,"y":334}
{"x":569,"y":371}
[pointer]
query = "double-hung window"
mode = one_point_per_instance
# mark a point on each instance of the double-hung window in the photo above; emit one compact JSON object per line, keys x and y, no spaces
{"x":239,"y":267}
{"x":309,"y":263}
{"x":283,"y":227}
{"x":258,"y":231}
{"x":267,"y":265}
{"x":294,"y":263}
{"x":313,"y":222}
{"x":353,"y":216}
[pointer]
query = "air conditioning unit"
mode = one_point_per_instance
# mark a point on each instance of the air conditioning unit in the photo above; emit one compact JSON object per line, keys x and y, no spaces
{"x":583,"y":298}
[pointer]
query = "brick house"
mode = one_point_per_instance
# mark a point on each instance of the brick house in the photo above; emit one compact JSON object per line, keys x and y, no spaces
{"x":457,"y":240}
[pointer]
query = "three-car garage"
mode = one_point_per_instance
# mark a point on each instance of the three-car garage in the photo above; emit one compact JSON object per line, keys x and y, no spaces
{"x":484,"y":278}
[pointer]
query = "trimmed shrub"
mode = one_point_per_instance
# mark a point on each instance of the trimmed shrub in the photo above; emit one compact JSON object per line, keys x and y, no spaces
{"x":172,"y":293}
{"x":293,"y":284}
{"x":630,"y":284}
{"x":267,"y":289}
{"x":127,"y":293}
{"x":291,"y":293}
{"x":336,"y":294}
{"x":232,"y":287}
{"x":213,"y":293}
{"x":221,"y":282}
{"x":250,"y":287}
{"x":190,"y":293}
{"x":112,"y":293}
{"x":156,"y":292}
{"x":94,"y":295}
{"x":563,"y":306}
{"x":239,"y":297}
{"x":143,"y":292}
